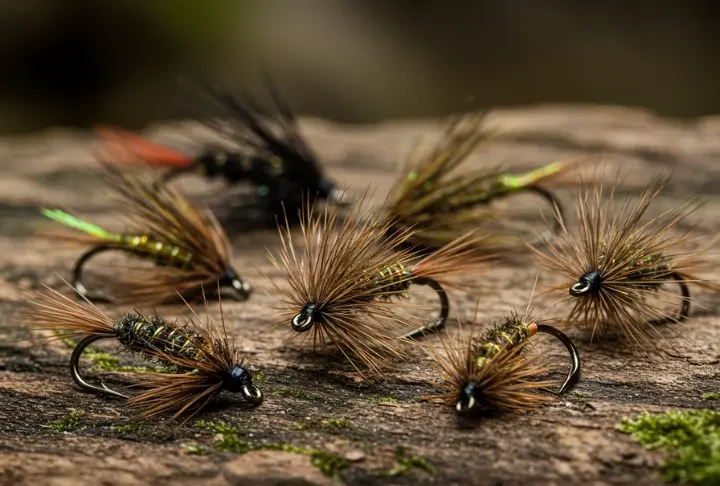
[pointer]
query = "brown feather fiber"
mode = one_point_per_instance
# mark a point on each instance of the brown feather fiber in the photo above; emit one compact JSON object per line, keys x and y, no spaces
{"x":510,"y":381}
{"x":165,"y":215}
{"x":50,"y":310}
{"x":442,"y":203}
{"x":185,"y":394}
{"x":335,"y":271}
{"x":181,"y":393}
{"x":614,"y":240}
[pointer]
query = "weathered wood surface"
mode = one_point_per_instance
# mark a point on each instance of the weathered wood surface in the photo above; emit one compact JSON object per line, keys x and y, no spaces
{"x":573,"y":441}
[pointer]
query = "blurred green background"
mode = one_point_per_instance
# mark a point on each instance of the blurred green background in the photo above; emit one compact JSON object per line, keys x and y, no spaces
{"x":80,"y":62}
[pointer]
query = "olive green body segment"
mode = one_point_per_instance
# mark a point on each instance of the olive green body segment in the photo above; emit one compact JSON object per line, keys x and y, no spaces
{"x":652,"y":267}
{"x":163,"y":253}
{"x":513,"y":332}
{"x":143,"y":334}
{"x":393,"y":280}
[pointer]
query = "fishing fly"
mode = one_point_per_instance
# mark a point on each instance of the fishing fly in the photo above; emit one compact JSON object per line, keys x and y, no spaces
{"x":619,"y":266}
{"x":201,"y":360}
{"x":188,"y":247}
{"x":442,"y":204}
{"x":273,"y":155}
{"x":491,"y":372}
{"x":345,"y":285}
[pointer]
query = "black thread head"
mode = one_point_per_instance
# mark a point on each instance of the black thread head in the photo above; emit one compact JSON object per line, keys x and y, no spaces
{"x":230,"y":278}
{"x":471,"y":399}
{"x":590,"y":282}
{"x":237,"y":379}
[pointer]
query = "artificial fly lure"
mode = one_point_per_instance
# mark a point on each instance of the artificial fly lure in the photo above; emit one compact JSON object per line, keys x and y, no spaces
{"x":201,"y":359}
{"x":617,"y":264}
{"x":272,"y":155}
{"x":189,"y":248}
{"x":491,"y":372}
{"x":343,"y":285}
{"x":441,"y":204}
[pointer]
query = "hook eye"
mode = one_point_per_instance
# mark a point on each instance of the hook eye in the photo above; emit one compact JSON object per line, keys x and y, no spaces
{"x":252,"y":394}
{"x":460,"y":407}
{"x":579,"y":289}
{"x":242,"y":287}
{"x":302,"y":322}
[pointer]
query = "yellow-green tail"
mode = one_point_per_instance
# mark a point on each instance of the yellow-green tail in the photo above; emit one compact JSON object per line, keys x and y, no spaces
{"x":514,"y":182}
{"x":78,"y":224}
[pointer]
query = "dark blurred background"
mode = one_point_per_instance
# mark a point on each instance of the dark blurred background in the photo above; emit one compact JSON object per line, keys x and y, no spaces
{"x":80,"y":62}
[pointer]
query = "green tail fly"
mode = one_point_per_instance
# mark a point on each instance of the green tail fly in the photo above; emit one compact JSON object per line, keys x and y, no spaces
{"x":78,"y":224}
{"x":518,"y":182}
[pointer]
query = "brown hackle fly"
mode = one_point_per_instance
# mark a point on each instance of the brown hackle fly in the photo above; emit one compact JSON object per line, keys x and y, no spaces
{"x":441,"y":202}
{"x":187,"y":246}
{"x":200,"y":358}
{"x":620,"y":263}
{"x":344,"y":284}
{"x":491,"y":372}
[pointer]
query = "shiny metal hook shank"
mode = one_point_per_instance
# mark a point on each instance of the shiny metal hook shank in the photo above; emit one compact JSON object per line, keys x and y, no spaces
{"x":444,"y":310}
{"x":574,"y":373}
{"x":77,"y":273}
{"x":684,"y":311}
{"x":75,"y":365}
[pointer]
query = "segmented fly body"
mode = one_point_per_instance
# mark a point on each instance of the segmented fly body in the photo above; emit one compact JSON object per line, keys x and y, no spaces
{"x":619,"y":263}
{"x":189,"y":248}
{"x":441,"y":204}
{"x":344,"y":285}
{"x":201,"y":360}
{"x":271,"y":154}
{"x":490,"y":372}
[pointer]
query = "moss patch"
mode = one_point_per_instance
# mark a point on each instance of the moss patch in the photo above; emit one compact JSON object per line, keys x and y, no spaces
{"x":67,"y":423}
{"x":227,"y":439}
{"x":711,"y":396}
{"x":406,"y":463}
{"x":692,"y":437}
{"x":107,"y":362}
{"x":127,"y":428}
{"x":331,"y":425}
{"x":385,"y":400}
{"x":291,"y":393}
{"x":193,"y":449}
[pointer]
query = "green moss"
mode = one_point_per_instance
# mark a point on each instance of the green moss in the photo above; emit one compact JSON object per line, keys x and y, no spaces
{"x":711,"y":396}
{"x":406,"y":463}
{"x":193,"y":449}
{"x":107,"y":362}
{"x":291,"y":393}
{"x":337,"y":423}
{"x":386,"y":400}
{"x":692,"y":437}
{"x":227,"y":439}
{"x":329,"y":425}
{"x":126,"y":428}
{"x":67,"y":423}
{"x":216,"y":427}
{"x":580,"y":395}
{"x":329,"y":464}
{"x":258,"y":378}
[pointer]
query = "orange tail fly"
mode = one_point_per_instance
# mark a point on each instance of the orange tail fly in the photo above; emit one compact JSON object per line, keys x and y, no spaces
{"x":140,"y":150}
